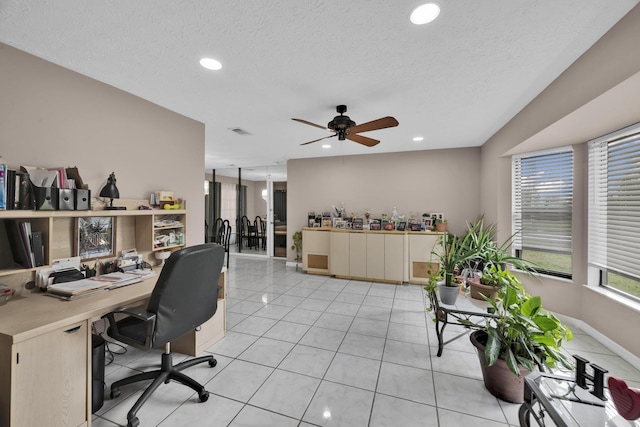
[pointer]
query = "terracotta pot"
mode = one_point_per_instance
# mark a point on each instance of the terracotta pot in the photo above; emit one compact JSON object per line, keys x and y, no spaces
{"x":441,"y":227}
{"x":478,"y":289}
{"x":498,"y":379}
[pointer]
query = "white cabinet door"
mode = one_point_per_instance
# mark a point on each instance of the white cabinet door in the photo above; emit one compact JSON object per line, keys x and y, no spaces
{"x":358,"y":255}
{"x":421,"y":263}
{"x":340,"y":254}
{"x":316,"y":246}
{"x":394,"y":259}
{"x":375,"y":256}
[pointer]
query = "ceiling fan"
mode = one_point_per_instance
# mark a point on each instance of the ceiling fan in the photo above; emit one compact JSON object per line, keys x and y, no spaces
{"x":345,"y":128}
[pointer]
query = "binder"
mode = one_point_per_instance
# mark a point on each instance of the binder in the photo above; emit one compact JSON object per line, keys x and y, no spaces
{"x":11,"y":189}
{"x":20,"y":253}
{"x":37,"y":248}
{"x":25,"y":197}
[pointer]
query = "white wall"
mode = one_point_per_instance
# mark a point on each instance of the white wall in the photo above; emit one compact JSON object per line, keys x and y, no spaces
{"x":54,"y":117}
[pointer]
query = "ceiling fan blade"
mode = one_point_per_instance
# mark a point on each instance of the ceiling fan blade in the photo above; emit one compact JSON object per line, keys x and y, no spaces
{"x":316,"y":140}
{"x":309,"y":123}
{"x":385,"y":122}
{"x":369,"y":142}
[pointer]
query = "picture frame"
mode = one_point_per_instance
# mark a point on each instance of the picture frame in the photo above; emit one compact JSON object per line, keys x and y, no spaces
{"x":340,"y":224}
{"x":428,"y":223}
{"x":402,"y":226}
{"x":374,"y":226}
{"x":417,"y":226}
{"x":95,"y":237}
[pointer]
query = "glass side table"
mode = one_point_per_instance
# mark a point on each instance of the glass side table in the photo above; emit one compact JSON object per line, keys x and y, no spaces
{"x":558,"y":401}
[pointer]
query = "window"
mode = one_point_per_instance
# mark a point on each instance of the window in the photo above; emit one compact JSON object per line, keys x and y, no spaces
{"x":228,"y":203}
{"x":542,"y":210}
{"x":614,"y":211}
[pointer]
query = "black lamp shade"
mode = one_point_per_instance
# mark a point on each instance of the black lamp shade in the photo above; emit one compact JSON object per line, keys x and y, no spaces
{"x":111,"y":191}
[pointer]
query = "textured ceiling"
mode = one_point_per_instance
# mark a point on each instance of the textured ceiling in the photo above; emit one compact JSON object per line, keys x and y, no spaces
{"x":455,"y":81}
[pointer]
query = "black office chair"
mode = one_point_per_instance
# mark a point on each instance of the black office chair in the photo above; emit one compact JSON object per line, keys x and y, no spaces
{"x":185,"y":297}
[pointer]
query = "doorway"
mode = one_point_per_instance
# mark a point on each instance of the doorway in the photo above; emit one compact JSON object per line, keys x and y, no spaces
{"x":253,"y":200}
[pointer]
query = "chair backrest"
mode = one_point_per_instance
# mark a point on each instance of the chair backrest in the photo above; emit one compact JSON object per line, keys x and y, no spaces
{"x":225,"y":234}
{"x":259,"y":224}
{"x":186,"y":293}
{"x":215,"y":230}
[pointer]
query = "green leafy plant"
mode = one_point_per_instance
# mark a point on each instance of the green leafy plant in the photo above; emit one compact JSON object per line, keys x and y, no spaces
{"x":297,"y":244}
{"x":455,"y":253}
{"x":481,"y":237}
{"x":522,"y":332}
{"x":497,"y":277}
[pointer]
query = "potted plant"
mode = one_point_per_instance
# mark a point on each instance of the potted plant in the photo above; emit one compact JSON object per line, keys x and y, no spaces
{"x":491,"y":258}
{"x":441,"y":225}
{"x":297,"y":246}
{"x":521,"y":336}
{"x":454,"y":254}
{"x":492,"y":279}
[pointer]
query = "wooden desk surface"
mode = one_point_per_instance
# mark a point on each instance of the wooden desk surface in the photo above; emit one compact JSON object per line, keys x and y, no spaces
{"x":25,"y":317}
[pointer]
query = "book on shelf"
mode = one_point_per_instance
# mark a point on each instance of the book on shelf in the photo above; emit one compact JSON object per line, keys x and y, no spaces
{"x":19,"y":235}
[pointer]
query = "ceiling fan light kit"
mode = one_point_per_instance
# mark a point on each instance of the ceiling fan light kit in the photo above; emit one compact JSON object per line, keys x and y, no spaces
{"x":345,"y":128}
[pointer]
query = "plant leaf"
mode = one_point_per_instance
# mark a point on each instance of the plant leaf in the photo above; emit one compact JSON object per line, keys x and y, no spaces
{"x":492,"y":350}
{"x":545,"y":323}
{"x":512,"y":363}
{"x":531,"y":307}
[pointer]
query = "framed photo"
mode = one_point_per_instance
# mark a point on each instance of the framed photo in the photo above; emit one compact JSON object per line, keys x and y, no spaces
{"x":340,"y":223}
{"x":95,"y":237}
{"x":415,"y":226}
{"x":428,"y":223}
{"x":374,"y":226}
{"x":401,"y":226}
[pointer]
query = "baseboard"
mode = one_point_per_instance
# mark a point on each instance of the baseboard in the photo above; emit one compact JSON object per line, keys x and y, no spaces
{"x":625,"y":354}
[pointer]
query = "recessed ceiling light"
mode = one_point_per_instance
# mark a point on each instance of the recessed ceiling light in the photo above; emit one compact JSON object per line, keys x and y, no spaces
{"x":418,"y":138}
{"x":425,"y":13}
{"x":326,"y":145}
{"x":211,"y":64}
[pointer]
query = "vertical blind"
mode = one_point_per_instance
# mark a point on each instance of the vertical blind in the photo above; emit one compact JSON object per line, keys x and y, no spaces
{"x":542,"y":201}
{"x":614,"y":202}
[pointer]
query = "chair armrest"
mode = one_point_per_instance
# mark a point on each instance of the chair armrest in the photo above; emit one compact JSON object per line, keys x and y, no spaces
{"x":142,"y":315}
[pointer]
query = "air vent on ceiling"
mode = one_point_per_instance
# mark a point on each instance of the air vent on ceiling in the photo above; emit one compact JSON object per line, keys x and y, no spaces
{"x":239,"y":131}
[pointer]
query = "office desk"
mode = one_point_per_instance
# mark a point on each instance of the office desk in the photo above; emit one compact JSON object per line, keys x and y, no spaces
{"x":45,"y":354}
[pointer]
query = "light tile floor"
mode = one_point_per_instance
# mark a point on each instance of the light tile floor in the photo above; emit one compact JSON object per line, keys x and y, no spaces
{"x":305,"y":350}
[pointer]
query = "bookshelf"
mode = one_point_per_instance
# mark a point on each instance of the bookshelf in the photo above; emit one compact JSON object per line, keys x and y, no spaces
{"x":134,"y":229}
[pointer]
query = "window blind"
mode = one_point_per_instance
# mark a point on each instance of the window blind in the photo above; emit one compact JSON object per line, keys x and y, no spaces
{"x":542,"y":201}
{"x":614,"y":202}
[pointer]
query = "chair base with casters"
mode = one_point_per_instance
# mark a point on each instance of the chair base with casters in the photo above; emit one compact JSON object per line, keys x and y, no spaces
{"x":185,"y":296}
{"x":167,"y":372}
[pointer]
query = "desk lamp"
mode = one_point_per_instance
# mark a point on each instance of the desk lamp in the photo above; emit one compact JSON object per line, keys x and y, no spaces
{"x":111,"y":191}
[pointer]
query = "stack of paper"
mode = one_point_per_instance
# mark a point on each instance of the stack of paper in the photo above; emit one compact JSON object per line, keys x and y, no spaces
{"x":116,"y":279}
{"x":77,"y":288}
{"x":91,"y":286}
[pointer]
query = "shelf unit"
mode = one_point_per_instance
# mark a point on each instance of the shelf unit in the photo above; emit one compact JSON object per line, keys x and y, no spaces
{"x":134,"y":229}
